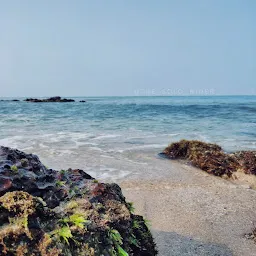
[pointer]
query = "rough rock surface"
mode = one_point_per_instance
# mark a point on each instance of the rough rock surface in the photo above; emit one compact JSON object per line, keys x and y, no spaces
{"x":52,"y":99}
{"x":46,"y":212}
{"x":211,"y":158}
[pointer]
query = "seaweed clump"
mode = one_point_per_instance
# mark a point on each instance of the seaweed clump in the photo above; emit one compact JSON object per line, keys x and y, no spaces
{"x":211,"y":158}
{"x":252,"y":235}
{"x":49,"y":213}
{"x":247,"y":161}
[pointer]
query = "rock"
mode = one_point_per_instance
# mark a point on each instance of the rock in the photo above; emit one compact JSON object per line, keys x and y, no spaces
{"x":82,"y":101}
{"x":67,"y":212}
{"x":10,"y":100}
{"x":52,"y":99}
{"x":5,"y":183}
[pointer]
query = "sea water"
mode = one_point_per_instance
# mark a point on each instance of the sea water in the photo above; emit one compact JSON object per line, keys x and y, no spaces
{"x":106,"y":134}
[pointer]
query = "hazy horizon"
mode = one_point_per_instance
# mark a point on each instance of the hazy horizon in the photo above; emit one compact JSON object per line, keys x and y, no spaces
{"x":128,"y":96}
{"x":135,"y":48}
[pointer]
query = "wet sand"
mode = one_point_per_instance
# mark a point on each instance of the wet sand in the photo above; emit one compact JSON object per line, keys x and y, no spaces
{"x":193,"y":213}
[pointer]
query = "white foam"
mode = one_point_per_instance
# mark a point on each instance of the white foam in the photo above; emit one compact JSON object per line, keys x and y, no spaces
{"x":150,"y":146}
{"x":11,"y":141}
{"x":43,"y":145}
{"x":106,"y":156}
{"x":96,"y":149}
{"x":110,"y":174}
{"x":66,"y":152}
{"x":171,"y":134}
{"x":106,"y":136}
{"x":79,"y":144}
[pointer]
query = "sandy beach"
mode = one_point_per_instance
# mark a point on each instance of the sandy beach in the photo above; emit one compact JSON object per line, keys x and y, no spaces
{"x":194,"y":213}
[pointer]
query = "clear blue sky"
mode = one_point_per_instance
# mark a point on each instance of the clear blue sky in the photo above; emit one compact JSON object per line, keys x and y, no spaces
{"x":104,"y":48}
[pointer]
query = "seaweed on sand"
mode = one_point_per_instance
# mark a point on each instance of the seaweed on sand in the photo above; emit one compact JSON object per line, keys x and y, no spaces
{"x":211,"y":158}
{"x":247,"y":161}
{"x":252,"y":235}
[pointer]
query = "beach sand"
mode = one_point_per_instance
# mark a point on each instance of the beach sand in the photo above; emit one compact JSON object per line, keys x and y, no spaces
{"x":194,"y":213}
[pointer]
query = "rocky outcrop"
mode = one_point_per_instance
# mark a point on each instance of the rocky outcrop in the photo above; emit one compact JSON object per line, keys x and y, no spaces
{"x":52,"y":99}
{"x":211,"y":158}
{"x":47,"y":212}
{"x":11,"y":100}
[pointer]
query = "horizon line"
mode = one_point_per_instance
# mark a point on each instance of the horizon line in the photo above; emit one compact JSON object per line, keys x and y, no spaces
{"x":133,"y":96}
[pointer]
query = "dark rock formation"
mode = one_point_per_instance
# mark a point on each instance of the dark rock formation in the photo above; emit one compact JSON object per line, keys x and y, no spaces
{"x":82,"y":101}
{"x":49,"y":213}
{"x":211,"y":158}
{"x":10,"y":100}
{"x":52,"y":99}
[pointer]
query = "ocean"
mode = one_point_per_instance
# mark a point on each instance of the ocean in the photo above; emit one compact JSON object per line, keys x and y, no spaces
{"x":106,"y":135}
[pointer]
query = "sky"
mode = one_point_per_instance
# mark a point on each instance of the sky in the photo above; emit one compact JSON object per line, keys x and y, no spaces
{"x":127,"y":48}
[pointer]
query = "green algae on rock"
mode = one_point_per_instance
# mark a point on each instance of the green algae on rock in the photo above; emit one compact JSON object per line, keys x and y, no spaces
{"x":211,"y":158}
{"x":50,"y":213}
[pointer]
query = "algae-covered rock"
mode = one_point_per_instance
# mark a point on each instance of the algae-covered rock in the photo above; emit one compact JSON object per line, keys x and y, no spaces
{"x":211,"y":158}
{"x":47,"y":212}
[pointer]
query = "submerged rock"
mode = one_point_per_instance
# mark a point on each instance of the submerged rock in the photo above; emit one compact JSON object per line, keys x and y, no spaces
{"x":211,"y":158}
{"x":49,"y":213}
{"x":52,"y":99}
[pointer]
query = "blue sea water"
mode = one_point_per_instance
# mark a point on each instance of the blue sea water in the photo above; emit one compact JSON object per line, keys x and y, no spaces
{"x":115,"y":126}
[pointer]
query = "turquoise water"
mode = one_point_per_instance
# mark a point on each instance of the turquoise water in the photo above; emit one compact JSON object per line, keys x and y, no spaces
{"x":117,"y":126}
